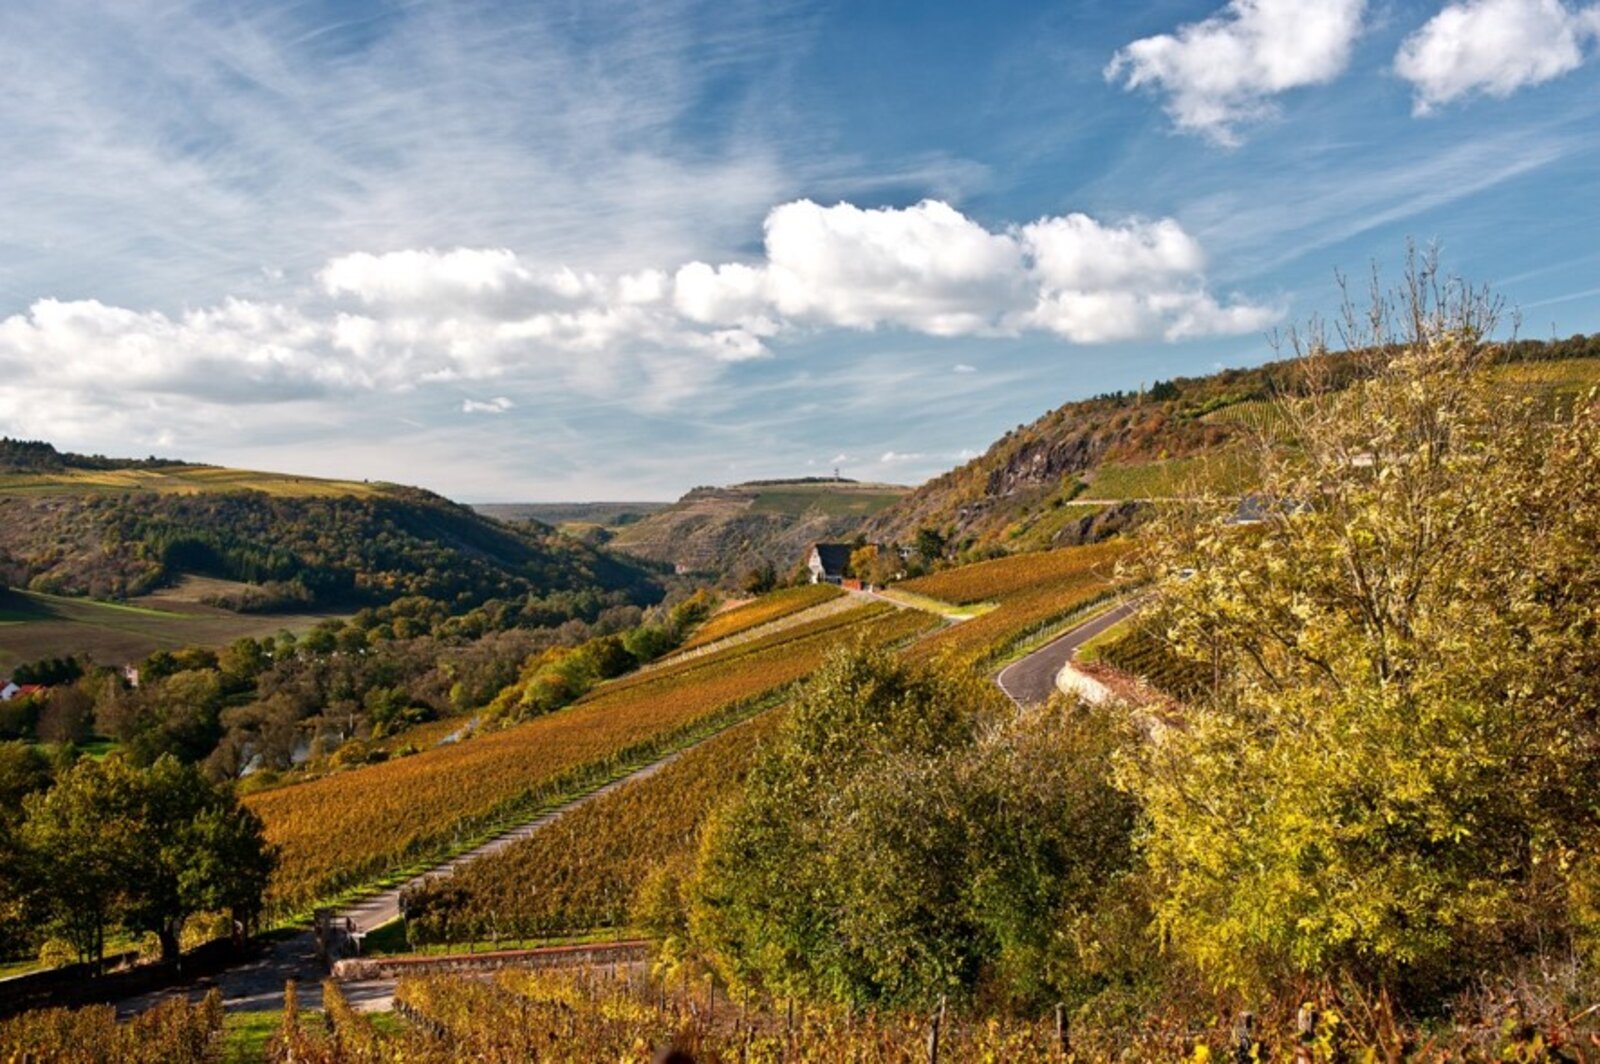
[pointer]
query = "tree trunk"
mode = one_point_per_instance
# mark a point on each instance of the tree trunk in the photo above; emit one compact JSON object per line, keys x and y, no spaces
{"x":168,"y":934}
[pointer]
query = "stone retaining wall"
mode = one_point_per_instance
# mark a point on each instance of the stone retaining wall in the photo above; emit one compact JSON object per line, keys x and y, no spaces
{"x":355,"y":969}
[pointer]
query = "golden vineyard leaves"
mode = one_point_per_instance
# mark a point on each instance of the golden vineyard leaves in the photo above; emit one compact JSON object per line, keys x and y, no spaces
{"x":764,"y":610}
{"x":345,"y":829}
{"x":1033,"y":592}
{"x":1002,"y":578}
{"x":582,"y":871}
{"x":172,"y":1032}
{"x":526,"y":1015}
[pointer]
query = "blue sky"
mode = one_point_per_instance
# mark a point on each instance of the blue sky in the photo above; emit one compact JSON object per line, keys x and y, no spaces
{"x":613,"y":250}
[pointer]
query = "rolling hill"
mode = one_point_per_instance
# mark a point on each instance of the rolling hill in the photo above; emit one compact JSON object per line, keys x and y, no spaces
{"x":114,"y":529}
{"x":726,"y":531}
{"x":574,"y":518}
{"x":1082,"y":471}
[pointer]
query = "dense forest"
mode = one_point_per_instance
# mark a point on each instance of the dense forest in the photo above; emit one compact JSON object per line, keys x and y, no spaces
{"x":40,"y":456}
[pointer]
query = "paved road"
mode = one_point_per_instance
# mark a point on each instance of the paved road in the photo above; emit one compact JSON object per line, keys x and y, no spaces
{"x":1031,"y":681}
{"x":257,"y":986}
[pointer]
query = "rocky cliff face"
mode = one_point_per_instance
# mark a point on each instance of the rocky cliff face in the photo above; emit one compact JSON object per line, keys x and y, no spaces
{"x":1039,"y":466}
{"x":1042,"y":463}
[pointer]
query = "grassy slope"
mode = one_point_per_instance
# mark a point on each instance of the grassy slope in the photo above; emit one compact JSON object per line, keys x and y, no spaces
{"x":34,"y":626}
{"x":1020,"y":494}
{"x":594,"y":514}
{"x":179,"y":479}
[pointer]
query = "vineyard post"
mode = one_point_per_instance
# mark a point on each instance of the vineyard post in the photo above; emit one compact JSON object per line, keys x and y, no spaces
{"x":1306,"y":1033}
{"x":711,"y":998}
{"x":933,"y":1032}
{"x":1244,"y":1038}
{"x":1062,"y":1045}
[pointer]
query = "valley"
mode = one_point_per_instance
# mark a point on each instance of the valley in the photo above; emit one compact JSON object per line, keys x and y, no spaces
{"x":474,"y":734}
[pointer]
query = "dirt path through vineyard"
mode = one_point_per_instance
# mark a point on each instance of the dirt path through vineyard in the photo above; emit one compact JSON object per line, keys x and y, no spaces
{"x":257,"y":985}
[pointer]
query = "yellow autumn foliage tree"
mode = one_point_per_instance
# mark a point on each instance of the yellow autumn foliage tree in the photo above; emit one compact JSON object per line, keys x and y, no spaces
{"x":1395,"y":774}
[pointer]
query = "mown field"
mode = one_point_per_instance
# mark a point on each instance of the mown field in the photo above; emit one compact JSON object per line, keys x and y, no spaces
{"x":1225,"y":471}
{"x":34,"y":626}
{"x":342,"y":830}
{"x":835,"y":500}
{"x":180,"y":480}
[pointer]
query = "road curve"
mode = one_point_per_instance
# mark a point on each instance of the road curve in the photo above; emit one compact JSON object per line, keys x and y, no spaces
{"x":1031,"y":680}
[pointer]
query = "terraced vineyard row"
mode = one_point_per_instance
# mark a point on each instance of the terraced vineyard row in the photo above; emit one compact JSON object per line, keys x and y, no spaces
{"x":1003,"y":578}
{"x":346,"y":829}
{"x":1033,"y":592}
{"x":1141,"y":653}
{"x":764,"y":610}
{"x":676,"y":668}
{"x":550,"y":1016}
{"x":583,"y":871}
{"x":173,"y":1032}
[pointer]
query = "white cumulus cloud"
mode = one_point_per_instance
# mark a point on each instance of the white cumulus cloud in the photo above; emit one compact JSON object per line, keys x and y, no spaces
{"x":928,"y":268}
{"x":398,"y":321}
{"x":1494,"y":47}
{"x":1225,"y":70}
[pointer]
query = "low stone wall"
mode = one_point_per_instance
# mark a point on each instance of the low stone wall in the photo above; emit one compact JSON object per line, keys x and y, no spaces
{"x":1074,"y":683}
{"x":357,"y":969}
{"x":76,"y":985}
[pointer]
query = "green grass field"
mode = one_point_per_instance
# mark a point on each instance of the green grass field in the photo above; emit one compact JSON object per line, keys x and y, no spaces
{"x":835,"y":500}
{"x":34,"y":626}
{"x":181,"y":480}
{"x":1037,"y":529}
{"x":1223,"y":471}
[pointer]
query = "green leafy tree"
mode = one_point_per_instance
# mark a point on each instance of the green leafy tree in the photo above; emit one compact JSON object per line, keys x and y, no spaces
{"x":241,"y":661}
{"x":111,"y":844}
{"x":759,"y":578}
{"x":24,"y":770}
{"x":931,"y":544}
{"x":78,"y":845}
{"x":907,"y":837}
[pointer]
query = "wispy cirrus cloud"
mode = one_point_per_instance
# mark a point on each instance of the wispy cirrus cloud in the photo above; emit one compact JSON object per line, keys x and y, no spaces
{"x":207,"y":142}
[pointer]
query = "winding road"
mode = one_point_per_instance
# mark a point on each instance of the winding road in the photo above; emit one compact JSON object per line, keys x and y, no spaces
{"x":1031,"y":680}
